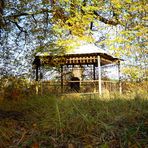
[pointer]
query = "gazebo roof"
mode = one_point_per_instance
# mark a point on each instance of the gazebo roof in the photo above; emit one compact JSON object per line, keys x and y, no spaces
{"x":86,"y":49}
{"x":84,"y":54}
{"x":83,"y":49}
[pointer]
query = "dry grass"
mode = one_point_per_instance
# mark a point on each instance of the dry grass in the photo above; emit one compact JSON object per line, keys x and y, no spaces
{"x":75,"y":121}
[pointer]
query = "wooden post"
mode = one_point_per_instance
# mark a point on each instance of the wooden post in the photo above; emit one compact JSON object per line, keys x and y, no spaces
{"x":94,"y":77}
{"x":99,"y":75}
{"x":37,"y":77}
{"x":119,"y":75}
{"x":61,"y":78}
{"x":94,"y":72}
{"x":41,"y":81}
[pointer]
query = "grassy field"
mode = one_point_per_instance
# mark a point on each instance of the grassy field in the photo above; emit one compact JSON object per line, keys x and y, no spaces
{"x":75,"y":121}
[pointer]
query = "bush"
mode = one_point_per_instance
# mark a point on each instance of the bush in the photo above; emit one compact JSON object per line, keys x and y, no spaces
{"x":13,"y":88}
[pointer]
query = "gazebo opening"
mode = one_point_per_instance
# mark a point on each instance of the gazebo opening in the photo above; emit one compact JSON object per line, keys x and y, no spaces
{"x":75,"y":84}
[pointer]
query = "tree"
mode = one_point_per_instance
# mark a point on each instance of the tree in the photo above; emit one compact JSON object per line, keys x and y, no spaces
{"x":44,"y":24}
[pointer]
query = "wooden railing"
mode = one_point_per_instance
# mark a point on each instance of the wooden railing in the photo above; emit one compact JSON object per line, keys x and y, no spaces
{"x":85,"y":86}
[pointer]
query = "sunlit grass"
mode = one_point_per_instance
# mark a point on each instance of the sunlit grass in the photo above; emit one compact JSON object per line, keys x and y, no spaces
{"x":80,"y":120}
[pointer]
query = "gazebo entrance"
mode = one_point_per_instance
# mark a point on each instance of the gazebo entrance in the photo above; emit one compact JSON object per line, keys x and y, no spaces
{"x":95,"y":58}
{"x":75,"y":84}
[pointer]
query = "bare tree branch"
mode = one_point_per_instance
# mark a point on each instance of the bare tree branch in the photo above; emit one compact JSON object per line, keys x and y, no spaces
{"x":106,"y":21}
{"x":18,"y":26}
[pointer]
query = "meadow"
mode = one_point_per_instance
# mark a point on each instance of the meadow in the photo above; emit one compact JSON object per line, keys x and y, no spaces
{"x":75,"y":121}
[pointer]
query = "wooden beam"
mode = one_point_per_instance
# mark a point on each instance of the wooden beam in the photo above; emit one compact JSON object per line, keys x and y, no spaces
{"x":61,"y":78}
{"x":119,"y":75}
{"x":99,"y":75}
{"x":37,"y":72}
{"x":37,"y":77}
{"x":94,"y":73}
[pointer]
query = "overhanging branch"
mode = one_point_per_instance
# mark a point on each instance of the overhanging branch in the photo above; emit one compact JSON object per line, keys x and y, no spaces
{"x":18,"y":26}
{"x":106,"y":21}
{"x":30,"y":13}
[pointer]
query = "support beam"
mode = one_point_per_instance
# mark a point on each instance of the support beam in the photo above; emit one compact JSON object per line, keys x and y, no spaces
{"x":61,"y":78}
{"x":37,"y":77}
{"x":119,"y":75}
{"x":99,"y":75}
{"x":94,"y":76}
{"x":37,"y":73}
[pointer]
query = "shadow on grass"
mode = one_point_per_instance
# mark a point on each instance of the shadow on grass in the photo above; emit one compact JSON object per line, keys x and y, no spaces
{"x":11,"y":115}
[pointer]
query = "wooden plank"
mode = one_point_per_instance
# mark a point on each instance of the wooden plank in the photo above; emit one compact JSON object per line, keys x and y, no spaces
{"x":73,"y":60}
{"x":99,"y":75}
{"x":83,"y":59}
{"x":94,"y":59}
{"x":70,"y":60}
{"x":87,"y":59}
{"x":76,"y":59}
{"x":91,"y":59}
{"x":67,"y":61}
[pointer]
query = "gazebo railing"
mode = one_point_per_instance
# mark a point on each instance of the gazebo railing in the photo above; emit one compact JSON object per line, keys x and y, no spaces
{"x":92,"y":86}
{"x":84,"y":86}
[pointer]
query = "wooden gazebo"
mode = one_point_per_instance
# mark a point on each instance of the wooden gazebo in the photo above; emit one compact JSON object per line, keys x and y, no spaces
{"x":83,"y":55}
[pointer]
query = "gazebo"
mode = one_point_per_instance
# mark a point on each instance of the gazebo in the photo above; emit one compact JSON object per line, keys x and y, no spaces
{"x":80,"y":56}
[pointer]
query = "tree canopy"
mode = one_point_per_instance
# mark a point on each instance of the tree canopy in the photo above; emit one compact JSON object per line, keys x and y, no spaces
{"x":30,"y":26}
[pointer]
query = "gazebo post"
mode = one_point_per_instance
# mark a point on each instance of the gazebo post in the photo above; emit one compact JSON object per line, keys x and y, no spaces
{"x":61,"y":78}
{"x":94,"y":72}
{"x":37,"y":77}
{"x":119,"y":75}
{"x":36,"y":73}
{"x":94,"y":77}
{"x":99,"y":75}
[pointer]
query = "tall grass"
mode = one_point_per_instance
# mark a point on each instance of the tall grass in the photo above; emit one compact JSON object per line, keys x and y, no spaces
{"x":77,"y":121}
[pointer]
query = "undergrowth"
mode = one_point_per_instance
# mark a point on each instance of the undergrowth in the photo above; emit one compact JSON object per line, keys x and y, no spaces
{"x":75,"y":122}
